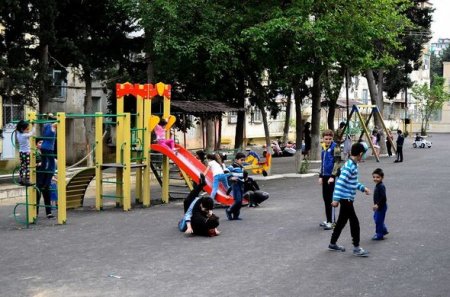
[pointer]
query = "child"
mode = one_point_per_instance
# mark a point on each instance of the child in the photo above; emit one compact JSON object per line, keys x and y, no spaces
{"x":237,"y":172}
{"x":252,"y":192}
{"x":344,"y":194}
{"x":160,"y":132}
{"x":198,"y":216}
{"x":379,"y":204}
{"x":219,"y":176}
{"x":330,"y":157}
{"x":23,"y":138}
{"x":400,"y":141}
{"x":375,"y":143}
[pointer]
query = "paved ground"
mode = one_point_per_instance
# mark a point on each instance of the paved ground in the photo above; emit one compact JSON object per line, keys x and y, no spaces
{"x":276,"y":250}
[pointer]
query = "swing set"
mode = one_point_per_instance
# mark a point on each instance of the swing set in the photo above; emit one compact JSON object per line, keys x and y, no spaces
{"x":375,"y":112}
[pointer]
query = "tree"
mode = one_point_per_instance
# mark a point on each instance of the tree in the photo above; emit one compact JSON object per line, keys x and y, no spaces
{"x":429,"y":100}
{"x":92,"y":37}
{"x":17,"y":63}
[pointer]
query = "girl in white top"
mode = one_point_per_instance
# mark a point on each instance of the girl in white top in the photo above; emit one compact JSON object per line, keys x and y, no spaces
{"x":23,"y":133}
{"x":215,"y":165}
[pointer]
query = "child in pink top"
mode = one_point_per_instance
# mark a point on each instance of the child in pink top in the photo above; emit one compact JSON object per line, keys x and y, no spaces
{"x":161,"y":135}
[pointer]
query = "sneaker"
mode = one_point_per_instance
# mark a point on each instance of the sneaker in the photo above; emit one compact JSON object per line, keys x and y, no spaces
{"x":323,"y":224}
{"x":376,"y":237}
{"x":328,"y":226}
{"x":360,"y":252}
{"x":50,"y":216}
{"x":228,"y":213}
{"x":202,"y":179}
{"x":336,"y":248}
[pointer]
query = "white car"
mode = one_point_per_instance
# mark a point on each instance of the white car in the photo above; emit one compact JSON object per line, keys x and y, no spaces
{"x":422,"y":143}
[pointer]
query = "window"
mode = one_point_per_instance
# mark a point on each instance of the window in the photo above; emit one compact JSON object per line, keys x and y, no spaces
{"x":365,"y":96}
{"x":96,"y":104}
{"x":232,"y":117}
{"x":11,"y":112}
{"x":58,"y":90}
{"x":436,"y":116}
{"x":257,"y":116}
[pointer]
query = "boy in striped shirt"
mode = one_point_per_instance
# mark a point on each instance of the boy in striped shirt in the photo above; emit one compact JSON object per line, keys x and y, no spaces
{"x":344,"y":194}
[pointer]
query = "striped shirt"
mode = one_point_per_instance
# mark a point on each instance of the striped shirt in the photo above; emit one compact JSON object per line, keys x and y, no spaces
{"x":347,"y":182}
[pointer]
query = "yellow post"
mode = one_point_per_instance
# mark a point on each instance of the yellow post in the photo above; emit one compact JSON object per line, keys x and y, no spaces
{"x":139,"y":145}
{"x":161,"y":88}
{"x":61,"y":145}
{"x":119,"y":142}
{"x":31,"y":207}
{"x":126,"y":163}
{"x":98,"y":161}
{"x":146,"y":152}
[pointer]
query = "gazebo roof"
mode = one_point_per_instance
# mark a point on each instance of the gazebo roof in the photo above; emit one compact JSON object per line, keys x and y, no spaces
{"x":198,"y":108}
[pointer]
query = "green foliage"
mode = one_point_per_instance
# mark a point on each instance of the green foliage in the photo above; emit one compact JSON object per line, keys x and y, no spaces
{"x":430,"y":99}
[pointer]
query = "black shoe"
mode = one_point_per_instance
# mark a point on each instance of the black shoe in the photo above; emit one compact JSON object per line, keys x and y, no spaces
{"x":50,"y":216}
{"x":202,"y":179}
{"x":396,"y":161}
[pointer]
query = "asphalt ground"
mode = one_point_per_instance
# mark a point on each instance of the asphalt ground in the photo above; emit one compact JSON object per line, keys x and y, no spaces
{"x":277,"y":249}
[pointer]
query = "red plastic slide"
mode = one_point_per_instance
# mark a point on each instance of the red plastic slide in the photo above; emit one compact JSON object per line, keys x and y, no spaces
{"x":193,"y":167}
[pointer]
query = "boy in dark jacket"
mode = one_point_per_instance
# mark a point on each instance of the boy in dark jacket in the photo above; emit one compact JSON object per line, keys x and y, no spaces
{"x":379,"y":205}
{"x":331,"y":158}
{"x":400,"y":141}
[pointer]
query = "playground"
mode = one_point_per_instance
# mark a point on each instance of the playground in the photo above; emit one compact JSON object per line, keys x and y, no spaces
{"x":278,"y":249}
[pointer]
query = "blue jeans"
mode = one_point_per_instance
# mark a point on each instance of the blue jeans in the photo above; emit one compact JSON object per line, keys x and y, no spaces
{"x":378,"y":217}
{"x":235,"y":209}
{"x":219,"y":178}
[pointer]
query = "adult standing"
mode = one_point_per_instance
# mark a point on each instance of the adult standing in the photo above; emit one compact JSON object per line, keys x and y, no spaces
{"x":48,"y":165}
{"x":400,"y":141}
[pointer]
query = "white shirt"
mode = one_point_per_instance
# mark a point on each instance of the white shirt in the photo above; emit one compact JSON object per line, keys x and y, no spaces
{"x":216,"y":168}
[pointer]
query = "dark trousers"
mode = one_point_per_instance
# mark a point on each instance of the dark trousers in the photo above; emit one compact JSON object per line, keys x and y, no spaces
{"x":46,"y":193}
{"x":235,"y":209}
{"x":400,"y":153}
{"x":346,"y":213}
{"x":378,"y":217}
{"x":389,"y":148}
{"x":327,"y":193}
{"x":192,"y":195}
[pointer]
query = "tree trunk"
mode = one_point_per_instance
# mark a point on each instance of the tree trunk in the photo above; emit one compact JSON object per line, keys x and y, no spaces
{"x":239,"y":135}
{"x":331,"y":114}
{"x":88,"y":122}
{"x":298,"y":128}
{"x":287,"y":119}
{"x":372,"y":86}
{"x":315,"y":121}
{"x":43,"y":79}
{"x":210,"y":134}
{"x":150,"y":70}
